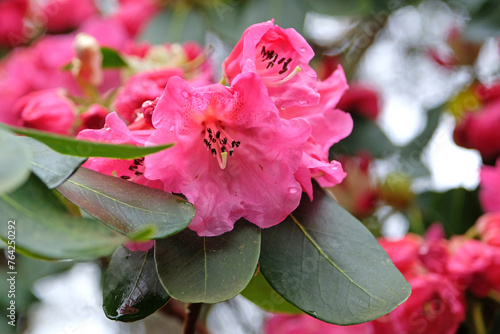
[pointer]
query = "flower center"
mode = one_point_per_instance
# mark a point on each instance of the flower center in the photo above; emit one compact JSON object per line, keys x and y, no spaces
{"x":272,"y":58}
{"x":219,"y":143}
{"x":136,"y":170}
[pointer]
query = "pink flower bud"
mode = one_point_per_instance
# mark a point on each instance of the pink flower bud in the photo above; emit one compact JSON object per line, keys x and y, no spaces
{"x":488,"y":227}
{"x":47,"y":110}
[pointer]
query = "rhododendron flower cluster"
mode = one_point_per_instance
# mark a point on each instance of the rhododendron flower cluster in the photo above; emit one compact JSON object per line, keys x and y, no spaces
{"x":247,"y":150}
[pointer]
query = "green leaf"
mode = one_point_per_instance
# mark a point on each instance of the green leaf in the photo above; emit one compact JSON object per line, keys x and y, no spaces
{"x":111,"y":58}
{"x":131,"y":288}
{"x":126,"y":206}
{"x":365,"y":136}
{"x":262,"y":294}
{"x":82,"y":148}
{"x":324,"y":261}
{"x":456,"y":209}
{"x":45,"y":229}
{"x":51,"y":167}
{"x":14,"y":164}
{"x":197,"y":269}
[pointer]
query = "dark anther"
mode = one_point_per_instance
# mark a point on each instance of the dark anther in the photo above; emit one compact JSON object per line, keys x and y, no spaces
{"x":237,"y":144}
{"x":138,"y":173}
{"x":285,"y":66}
{"x":281,"y":60}
{"x":217,"y":134}
{"x":223,"y":149}
{"x":139,"y":161}
{"x":223,"y":141}
{"x":209,"y":130}
{"x":125,"y":177}
{"x":132,"y":167}
{"x":214,"y":151}
{"x":214,"y":140}
{"x":270,"y":65}
{"x":231,"y":151}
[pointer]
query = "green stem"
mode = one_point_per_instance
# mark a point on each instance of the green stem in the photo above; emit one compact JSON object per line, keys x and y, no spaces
{"x":477,"y":317}
{"x":495,"y":295}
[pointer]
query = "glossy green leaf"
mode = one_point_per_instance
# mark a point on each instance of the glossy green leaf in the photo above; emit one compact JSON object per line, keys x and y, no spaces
{"x":81,"y":148}
{"x":324,"y":261}
{"x":131,"y":288}
{"x":111,"y":58}
{"x":126,"y":206}
{"x":45,"y":229}
{"x":197,"y":269}
{"x":262,"y":294}
{"x":14,"y":164}
{"x":51,"y":167}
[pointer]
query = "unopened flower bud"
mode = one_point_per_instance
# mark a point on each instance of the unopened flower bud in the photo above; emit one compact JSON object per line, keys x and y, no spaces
{"x":88,"y":65}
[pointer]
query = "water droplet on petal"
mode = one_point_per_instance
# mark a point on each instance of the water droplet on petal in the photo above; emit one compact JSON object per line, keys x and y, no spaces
{"x":293,"y":190}
{"x":302,"y":101}
{"x":302,"y":49}
{"x":185,"y":94}
{"x":334,"y":165}
{"x":172,"y":128}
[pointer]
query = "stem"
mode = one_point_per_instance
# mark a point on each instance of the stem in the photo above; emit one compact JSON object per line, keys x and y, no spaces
{"x":495,"y":295}
{"x":477,"y":317}
{"x":192,"y":312}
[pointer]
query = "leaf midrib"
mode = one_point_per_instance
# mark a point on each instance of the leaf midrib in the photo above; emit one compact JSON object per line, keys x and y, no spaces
{"x":320,"y":250}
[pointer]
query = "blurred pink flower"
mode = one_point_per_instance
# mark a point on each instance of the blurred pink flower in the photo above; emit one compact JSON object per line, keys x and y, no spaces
{"x":234,"y":157}
{"x":12,"y":29}
{"x":489,"y":190}
{"x":361,"y":99}
{"x":136,"y":14}
{"x":65,"y":15}
{"x":276,"y":54}
{"x":47,"y":110}
{"x":143,"y":246}
{"x":476,"y":266}
{"x":488,"y":227}
{"x":435,"y":306}
{"x":479,"y":129}
{"x":304,"y":324}
{"x":142,"y":87}
{"x":93,"y":118}
{"x":404,"y":253}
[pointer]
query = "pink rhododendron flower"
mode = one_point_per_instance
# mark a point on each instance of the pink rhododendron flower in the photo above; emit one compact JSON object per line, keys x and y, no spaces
{"x":489,"y":191}
{"x":488,"y":227}
{"x":140,"y":88}
{"x":476,"y":266}
{"x":47,"y":110}
{"x":435,"y":306}
{"x":234,"y":157}
{"x":304,"y":324}
{"x":329,"y":125}
{"x":361,"y":99}
{"x":117,"y":132}
{"x":64,"y":15}
{"x":276,"y":54}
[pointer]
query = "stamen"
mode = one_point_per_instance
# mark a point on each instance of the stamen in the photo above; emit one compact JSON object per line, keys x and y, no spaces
{"x":285,"y":79}
{"x":217,"y":139}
